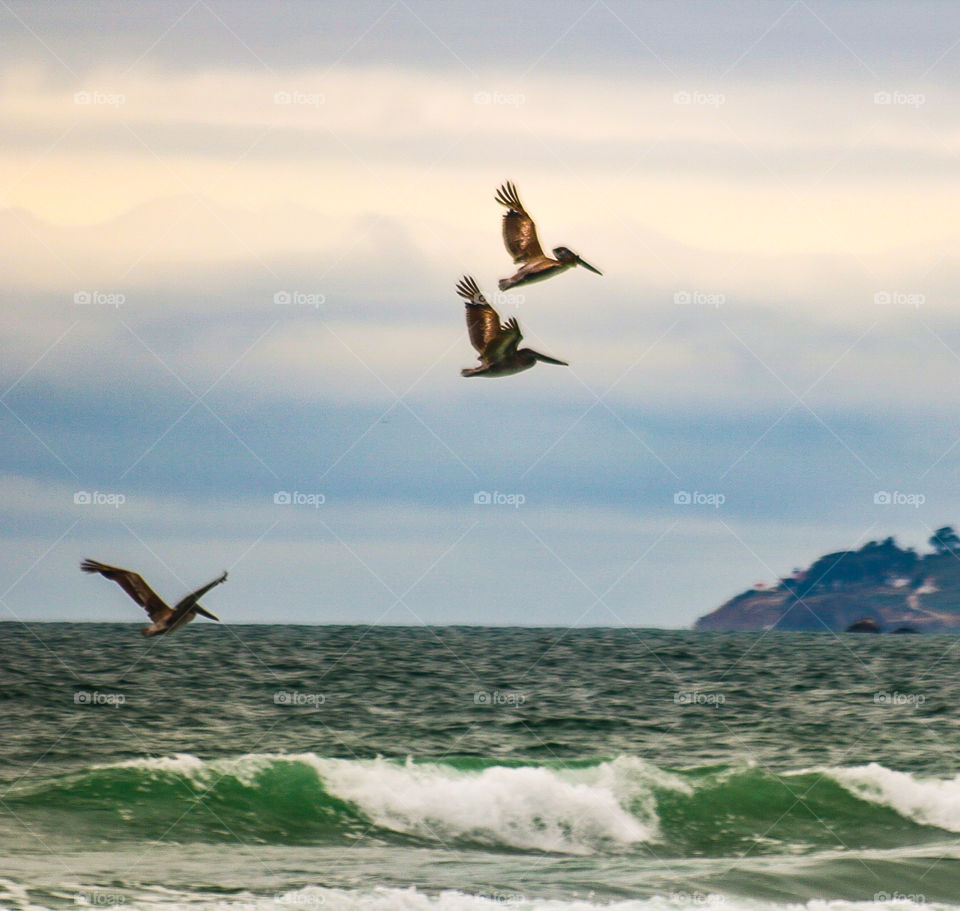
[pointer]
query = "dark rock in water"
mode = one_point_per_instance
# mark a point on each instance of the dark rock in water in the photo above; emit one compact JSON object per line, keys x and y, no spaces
{"x":905,"y":629}
{"x":864,"y":625}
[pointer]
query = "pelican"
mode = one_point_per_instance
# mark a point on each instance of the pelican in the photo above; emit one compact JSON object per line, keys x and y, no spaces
{"x":520,"y":239}
{"x":165,"y":619}
{"x":496,"y":344}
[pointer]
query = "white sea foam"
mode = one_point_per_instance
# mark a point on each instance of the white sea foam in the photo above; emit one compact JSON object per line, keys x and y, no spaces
{"x":414,"y":900}
{"x":576,"y":811}
{"x":202,"y":772}
{"x":183,"y":763}
{"x":315,"y":898}
{"x":930,"y":801}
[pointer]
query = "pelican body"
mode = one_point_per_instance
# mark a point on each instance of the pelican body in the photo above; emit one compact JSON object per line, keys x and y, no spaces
{"x":496,"y":343}
{"x":165,"y":619}
{"x":520,"y":239}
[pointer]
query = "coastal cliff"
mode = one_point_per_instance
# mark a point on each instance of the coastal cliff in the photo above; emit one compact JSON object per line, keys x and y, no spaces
{"x":898,"y":589}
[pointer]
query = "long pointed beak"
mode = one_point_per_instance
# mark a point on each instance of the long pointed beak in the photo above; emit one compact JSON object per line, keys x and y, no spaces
{"x":205,"y":613}
{"x":587,"y":265}
{"x":549,"y":360}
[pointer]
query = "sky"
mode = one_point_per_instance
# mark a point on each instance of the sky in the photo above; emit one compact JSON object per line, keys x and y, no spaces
{"x":229,"y":337}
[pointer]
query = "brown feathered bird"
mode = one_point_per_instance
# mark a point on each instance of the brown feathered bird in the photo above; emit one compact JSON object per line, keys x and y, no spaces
{"x":496,"y":343}
{"x":165,"y":619}
{"x":520,"y":239}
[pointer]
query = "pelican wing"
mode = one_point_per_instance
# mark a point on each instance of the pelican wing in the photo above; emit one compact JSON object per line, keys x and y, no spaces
{"x":483,"y":324}
{"x":190,"y":602}
{"x":133,"y":584}
{"x":519,"y":231}
{"x":505,"y":343}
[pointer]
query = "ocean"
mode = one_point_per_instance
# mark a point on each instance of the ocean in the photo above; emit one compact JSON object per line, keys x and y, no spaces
{"x":471,"y":769}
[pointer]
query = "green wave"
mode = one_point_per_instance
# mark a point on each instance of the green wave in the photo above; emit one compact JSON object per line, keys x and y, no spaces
{"x":593,"y":806}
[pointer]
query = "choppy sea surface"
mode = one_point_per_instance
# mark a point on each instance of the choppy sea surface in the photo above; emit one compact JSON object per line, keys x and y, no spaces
{"x":261,"y":767}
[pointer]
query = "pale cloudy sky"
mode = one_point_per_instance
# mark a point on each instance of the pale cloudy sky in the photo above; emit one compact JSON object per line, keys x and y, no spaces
{"x":769,"y":188}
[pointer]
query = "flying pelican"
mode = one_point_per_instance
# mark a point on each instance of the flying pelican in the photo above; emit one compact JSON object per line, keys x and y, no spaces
{"x":165,"y":619}
{"x":520,"y":238}
{"x":496,"y":344}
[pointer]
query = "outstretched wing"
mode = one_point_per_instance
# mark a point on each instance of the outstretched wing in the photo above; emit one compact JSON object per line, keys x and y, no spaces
{"x":483,"y":324}
{"x":133,"y":585}
{"x":519,"y":231}
{"x":505,"y":344}
{"x":186,"y":604}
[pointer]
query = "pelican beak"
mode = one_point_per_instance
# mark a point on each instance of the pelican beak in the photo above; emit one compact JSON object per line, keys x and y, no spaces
{"x":549,"y":360}
{"x":205,"y":613}
{"x":588,"y":266}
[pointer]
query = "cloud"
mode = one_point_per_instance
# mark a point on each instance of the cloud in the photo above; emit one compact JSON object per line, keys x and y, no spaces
{"x":222,"y":264}
{"x":636,"y":39}
{"x":394,"y":141}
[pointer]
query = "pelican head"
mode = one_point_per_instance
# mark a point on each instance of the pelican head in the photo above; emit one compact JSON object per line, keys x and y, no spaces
{"x":568,"y":257}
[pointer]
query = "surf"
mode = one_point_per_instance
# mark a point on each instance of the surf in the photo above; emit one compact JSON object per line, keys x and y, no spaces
{"x":593,"y":806}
